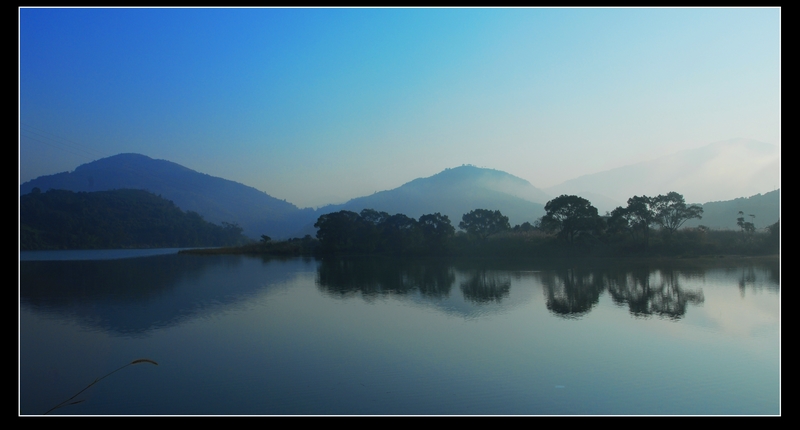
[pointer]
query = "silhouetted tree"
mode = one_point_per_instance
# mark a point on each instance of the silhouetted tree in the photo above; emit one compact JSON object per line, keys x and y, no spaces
{"x":526,"y":226}
{"x":399,"y":233}
{"x":671,"y":212}
{"x":571,"y":216}
{"x":636,"y":218}
{"x":436,"y":230}
{"x":373,"y":217}
{"x":483,"y":223}
{"x":747,"y":227}
{"x":337,"y":230}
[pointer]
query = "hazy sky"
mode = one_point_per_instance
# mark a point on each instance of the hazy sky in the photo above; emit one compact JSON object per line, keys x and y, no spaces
{"x":318,"y":106}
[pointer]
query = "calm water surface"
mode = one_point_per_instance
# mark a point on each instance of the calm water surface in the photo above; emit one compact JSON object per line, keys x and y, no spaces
{"x":245,"y":335}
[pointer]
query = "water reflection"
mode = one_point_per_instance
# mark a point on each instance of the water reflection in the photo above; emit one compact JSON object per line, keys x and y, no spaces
{"x":749,"y":279}
{"x":373,"y":276}
{"x":485,"y":286}
{"x":133,"y":297}
{"x":383,"y":336}
{"x":652,"y":293}
{"x":571,"y":293}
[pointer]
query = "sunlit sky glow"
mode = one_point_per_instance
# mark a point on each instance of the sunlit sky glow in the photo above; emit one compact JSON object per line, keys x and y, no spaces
{"x":318,"y":106}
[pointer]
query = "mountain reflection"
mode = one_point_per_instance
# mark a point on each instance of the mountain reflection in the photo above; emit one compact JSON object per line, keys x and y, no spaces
{"x":135,"y":296}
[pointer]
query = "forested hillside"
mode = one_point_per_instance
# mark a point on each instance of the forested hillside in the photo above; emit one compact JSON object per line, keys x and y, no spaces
{"x":60,"y":219}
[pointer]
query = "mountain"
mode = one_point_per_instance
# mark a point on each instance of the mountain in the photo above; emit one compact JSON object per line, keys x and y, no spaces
{"x":720,"y":171}
{"x":455,"y":192}
{"x":722,"y":215}
{"x":452,"y":192}
{"x":217,"y":200}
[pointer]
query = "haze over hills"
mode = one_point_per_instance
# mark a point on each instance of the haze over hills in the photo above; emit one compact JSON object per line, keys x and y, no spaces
{"x":719,"y":171}
{"x":714,"y":170}
{"x":217,"y":200}
{"x":454,"y":192}
{"x":722,"y":215}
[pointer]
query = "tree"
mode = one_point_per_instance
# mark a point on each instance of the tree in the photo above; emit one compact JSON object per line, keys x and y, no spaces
{"x":671,"y":212}
{"x":526,"y":226}
{"x":374,"y":217}
{"x":398,"y":233}
{"x":636,"y":218}
{"x":483,"y":223}
{"x":571,"y":216}
{"x":337,"y":230}
{"x":369,"y":231}
{"x":748,"y":227}
{"x":436,"y":229}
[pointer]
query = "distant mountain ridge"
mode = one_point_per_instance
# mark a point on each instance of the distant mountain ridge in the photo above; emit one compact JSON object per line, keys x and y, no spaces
{"x":722,"y":215}
{"x":454,"y":192}
{"x":217,"y":200}
{"x":719,"y":171}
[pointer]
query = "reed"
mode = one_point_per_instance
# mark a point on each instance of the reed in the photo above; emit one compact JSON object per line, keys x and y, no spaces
{"x":70,"y":402}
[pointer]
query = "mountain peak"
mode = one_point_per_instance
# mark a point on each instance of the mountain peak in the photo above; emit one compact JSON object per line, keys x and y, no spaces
{"x":456,"y":191}
{"x":132,"y":161}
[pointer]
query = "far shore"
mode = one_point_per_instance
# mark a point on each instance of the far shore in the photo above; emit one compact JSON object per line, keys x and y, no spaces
{"x":583,"y":259}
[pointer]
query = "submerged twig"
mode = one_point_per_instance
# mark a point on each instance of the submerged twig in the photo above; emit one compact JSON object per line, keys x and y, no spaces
{"x":64,"y":403}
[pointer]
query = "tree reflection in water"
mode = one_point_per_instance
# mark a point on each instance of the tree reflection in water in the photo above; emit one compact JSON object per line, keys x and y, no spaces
{"x":652,"y":293}
{"x":372,"y":277}
{"x":571,"y":293}
{"x":484,"y":286}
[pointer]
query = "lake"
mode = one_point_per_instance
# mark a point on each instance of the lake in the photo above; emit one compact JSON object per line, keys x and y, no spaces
{"x":242,"y":335}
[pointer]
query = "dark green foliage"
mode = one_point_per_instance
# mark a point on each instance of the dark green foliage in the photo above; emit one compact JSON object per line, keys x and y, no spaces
{"x":373,"y":231}
{"x":483,"y":223}
{"x":399,"y":234}
{"x":671,"y":212}
{"x":341,"y":231}
{"x":526,"y":226}
{"x":775,"y":235}
{"x":634,"y":219}
{"x":436,"y":230}
{"x":668,"y":211}
{"x":60,"y":219}
{"x":571,"y":228}
{"x":572,"y":217}
{"x":373,"y":217}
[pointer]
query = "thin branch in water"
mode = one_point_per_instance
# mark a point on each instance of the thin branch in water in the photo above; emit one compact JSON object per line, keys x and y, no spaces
{"x":65,"y":402}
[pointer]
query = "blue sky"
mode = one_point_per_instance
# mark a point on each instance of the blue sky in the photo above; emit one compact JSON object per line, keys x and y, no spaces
{"x":319,"y":106}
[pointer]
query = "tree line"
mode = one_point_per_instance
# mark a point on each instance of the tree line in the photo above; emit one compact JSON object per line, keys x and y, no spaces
{"x":570,"y":223}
